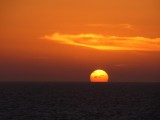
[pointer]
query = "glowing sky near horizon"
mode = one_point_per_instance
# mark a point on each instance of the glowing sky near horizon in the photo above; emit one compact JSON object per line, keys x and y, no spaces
{"x":49,"y":39}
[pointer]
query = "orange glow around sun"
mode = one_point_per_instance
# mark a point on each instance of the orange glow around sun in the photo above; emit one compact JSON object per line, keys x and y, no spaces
{"x":99,"y":76}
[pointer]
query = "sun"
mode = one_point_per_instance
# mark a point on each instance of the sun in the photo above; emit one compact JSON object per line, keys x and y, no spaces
{"x":99,"y":76}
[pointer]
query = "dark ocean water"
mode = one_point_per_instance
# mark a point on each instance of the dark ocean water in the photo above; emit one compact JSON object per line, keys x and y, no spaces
{"x":79,"y":101}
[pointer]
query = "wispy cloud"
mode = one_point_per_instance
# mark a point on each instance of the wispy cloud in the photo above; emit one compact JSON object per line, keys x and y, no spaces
{"x":122,"y":26}
{"x":108,"y":42}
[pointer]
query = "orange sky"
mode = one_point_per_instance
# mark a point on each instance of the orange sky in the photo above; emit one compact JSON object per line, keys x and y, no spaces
{"x":54,"y":37}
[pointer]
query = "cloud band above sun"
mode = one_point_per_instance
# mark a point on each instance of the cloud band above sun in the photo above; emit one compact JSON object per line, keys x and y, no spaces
{"x":102,"y":42}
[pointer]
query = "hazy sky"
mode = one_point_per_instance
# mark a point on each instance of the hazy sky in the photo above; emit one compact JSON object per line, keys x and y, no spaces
{"x":65,"y":40}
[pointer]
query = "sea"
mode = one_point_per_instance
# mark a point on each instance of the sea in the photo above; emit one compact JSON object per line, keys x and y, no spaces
{"x":79,"y":101}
